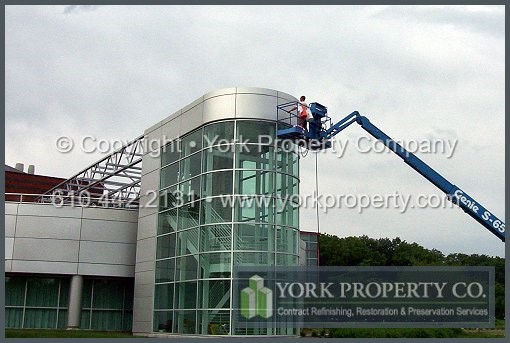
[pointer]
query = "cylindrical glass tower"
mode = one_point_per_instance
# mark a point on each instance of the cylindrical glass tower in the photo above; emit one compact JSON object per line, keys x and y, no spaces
{"x":226,"y":198}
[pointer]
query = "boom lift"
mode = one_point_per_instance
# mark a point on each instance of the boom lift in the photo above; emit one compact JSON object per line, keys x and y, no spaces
{"x":321,"y":131}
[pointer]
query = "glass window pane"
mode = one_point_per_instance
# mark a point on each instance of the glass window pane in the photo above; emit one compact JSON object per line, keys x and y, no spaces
{"x":188,"y":215}
{"x":256,"y":182}
{"x":170,"y":198}
{"x":13,"y":317}
{"x":64,"y":292}
{"x":165,"y":246}
{"x":40,"y":318}
{"x":186,"y":295}
{"x":214,"y":293}
{"x":167,"y":221}
{"x":14,"y":291}
{"x":218,"y":133}
{"x":213,"y":322}
{"x":216,"y":237}
{"x":251,"y":131}
{"x":286,"y":260}
{"x":220,"y":157}
{"x":258,"y":209}
{"x":218,"y":183}
{"x":254,"y":237}
{"x":107,"y":320}
{"x":216,"y":210}
{"x":287,"y":213}
{"x":286,"y":240}
{"x":192,"y":142}
{"x":42,"y":292}
{"x":186,"y":268}
{"x":190,"y":189}
{"x":287,"y":186}
{"x":169,"y":175}
{"x":170,"y":153}
{"x":163,"y":321}
{"x":85,"y":319}
{"x":185,"y":322}
{"x":190,"y":166}
{"x":251,"y":156}
{"x":187,"y":242}
{"x":253,"y":258}
{"x":108,"y":294}
{"x":215,"y":265}
{"x":86,"y":294}
{"x":164,"y":296}
{"x":165,"y":270}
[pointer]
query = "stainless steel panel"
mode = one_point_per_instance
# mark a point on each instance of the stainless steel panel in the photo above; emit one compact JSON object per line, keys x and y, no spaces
{"x":48,"y":210}
{"x":39,"y":249}
{"x":192,"y":118}
{"x":10,"y":225}
{"x":223,"y":91}
{"x":110,"y":214}
{"x":220,"y":107}
{"x":152,"y":141}
{"x":151,"y":161}
{"x":9,"y":246}
{"x":95,"y":269}
{"x":44,"y":267}
{"x":142,"y":327}
{"x":144,"y":266}
{"x":256,"y":90}
{"x":146,"y":250}
{"x":143,"y":278}
{"x":11,"y":208}
{"x":142,"y":308}
{"x":147,"y":226}
{"x":48,"y":227}
{"x":146,"y":290}
{"x":171,"y":130}
{"x":256,"y":106}
{"x":107,"y":253}
{"x":108,"y":231}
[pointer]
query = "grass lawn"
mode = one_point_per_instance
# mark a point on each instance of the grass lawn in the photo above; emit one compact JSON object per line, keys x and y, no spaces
{"x":48,"y":333}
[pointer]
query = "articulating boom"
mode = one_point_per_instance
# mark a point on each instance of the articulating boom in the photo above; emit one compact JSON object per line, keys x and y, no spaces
{"x":454,"y":193}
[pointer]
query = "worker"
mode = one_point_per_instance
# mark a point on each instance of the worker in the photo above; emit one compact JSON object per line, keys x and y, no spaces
{"x":303,"y":112}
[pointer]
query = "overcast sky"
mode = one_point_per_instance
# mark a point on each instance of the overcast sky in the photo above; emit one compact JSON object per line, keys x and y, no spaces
{"x":418,"y":73}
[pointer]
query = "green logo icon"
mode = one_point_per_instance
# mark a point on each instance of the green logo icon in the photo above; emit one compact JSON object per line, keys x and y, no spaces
{"x":256,"y":299}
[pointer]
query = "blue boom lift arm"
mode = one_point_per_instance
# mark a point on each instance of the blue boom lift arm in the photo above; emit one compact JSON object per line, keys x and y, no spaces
{"x":454,"y":193}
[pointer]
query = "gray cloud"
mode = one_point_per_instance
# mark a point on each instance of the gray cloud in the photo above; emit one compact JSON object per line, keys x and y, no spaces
{"x":114,"y":72}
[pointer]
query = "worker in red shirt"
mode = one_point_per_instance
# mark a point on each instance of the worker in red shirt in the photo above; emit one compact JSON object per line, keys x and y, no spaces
{"x":302,"y":112}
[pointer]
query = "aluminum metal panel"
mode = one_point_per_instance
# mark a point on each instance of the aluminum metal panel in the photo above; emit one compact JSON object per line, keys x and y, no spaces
{"x":148,"y":205}
{"x":142,"y":308}
{"x":144,"y":266}
{"x":9,"y":246}
{"x":146,"y":250}
{"x":171,"y":130}
{"x":40,"y":249}
{"x":150,"y":162}
{"x":11,"y":208}
{"x":107,"y":253}
{"x":220,"y":107}
{"x":285,"y":97}
{"x":108,"y":231}
{"x":144,"y":278}
{"x":96,"y":269}
{"x":10,"y":225}
{"x":256,"y":106}
{"x":44,"y":267}
{"x":48,"y":227}
{"x":192,"y":104}
{"x":147,"y":226}
{"x":192,"y":118}
{"x":153,"y":127}
{"x":218,"y":92}
{"x":110,"y":214}
{"x":49,"y":210}
{"x":256,"y":90}
{"x":171,"y":117}
{"x":150,"y":184}
{"x":152,"y":141}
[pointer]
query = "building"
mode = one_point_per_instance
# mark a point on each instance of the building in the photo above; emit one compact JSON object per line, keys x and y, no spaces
{"x":156,"y":250}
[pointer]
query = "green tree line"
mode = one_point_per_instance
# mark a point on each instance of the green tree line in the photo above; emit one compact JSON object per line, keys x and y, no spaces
{"x":365,"y":251}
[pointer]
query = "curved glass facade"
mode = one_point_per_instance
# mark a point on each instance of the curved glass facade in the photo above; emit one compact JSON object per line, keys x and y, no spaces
{"x":226,"y":193}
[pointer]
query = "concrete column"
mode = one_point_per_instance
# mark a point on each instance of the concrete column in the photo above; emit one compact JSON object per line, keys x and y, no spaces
{"x":74,"y":311}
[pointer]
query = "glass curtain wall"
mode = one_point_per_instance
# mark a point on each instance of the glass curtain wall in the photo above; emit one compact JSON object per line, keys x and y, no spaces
{"x":228,"y":197}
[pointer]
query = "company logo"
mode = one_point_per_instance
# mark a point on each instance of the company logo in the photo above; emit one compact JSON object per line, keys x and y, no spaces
{"x":256,"y":299}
